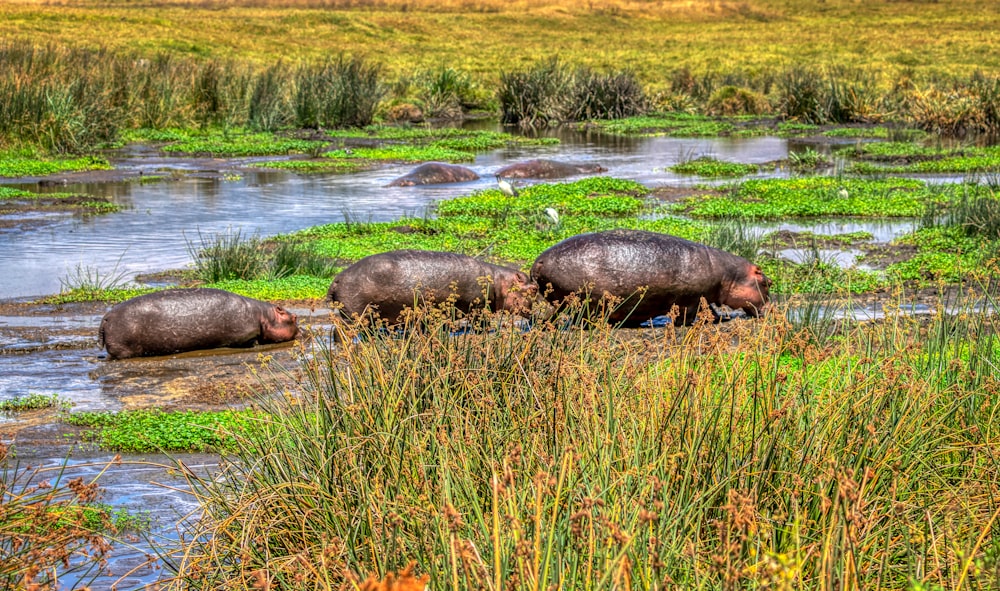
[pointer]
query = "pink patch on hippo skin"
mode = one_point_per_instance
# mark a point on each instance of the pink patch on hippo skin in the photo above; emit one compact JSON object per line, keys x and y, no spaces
{"x":283,"y":328}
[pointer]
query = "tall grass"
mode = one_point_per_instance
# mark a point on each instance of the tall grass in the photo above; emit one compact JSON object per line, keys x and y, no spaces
{"x":48,"y":527}
{"x":720,"y":457}
{"x":341,"y":92}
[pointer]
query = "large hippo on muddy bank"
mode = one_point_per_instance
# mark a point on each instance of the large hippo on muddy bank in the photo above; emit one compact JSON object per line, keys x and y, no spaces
{"x":436,"y":173}
{"x":392,"y":281}
{"x":671,"y":270}
{"x":178,"y":320}
{"x":548,"y":169}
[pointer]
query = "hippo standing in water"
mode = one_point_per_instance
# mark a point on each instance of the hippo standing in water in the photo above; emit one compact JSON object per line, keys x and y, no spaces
{"x":178,"y":320}
{"x":392,"y":281}
{"x":673,"y":271}
{"x":436,"y":173}
{"x":548,"y":169}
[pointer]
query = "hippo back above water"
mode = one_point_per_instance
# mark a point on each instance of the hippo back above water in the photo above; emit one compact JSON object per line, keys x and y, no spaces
{"x":436,"y":173}
{"x":179,"y":320}
{"x":390,"y":282}
{"x":548,"y":169}
{"x":667,"y":270}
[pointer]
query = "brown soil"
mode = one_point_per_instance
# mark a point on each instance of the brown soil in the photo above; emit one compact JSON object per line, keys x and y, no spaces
{"x":669,"y":194}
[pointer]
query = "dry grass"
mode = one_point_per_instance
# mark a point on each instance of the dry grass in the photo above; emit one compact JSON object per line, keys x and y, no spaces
{"x":487,"y":36}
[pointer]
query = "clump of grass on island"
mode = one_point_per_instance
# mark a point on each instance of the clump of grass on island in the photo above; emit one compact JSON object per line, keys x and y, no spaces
{"x":144,"y":431}
{"x":709,"y":167}
{"x":32,"y":401}
{"x":19,"y":166}
{"x":823,"y":196}
{"x":737,"y":455}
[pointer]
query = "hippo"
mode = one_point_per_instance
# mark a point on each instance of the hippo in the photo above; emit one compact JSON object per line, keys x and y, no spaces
{"x":179,"y":320}
{"x":671,"y":270}
{"x":436,"y":173}
{"x":389,"y":282}
{"x":548,"y":169}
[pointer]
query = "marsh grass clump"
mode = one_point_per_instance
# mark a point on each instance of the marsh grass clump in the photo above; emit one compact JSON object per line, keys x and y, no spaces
{"x":614,"y":95}
{"x":732,"y":100}
{"x":534,"y":97}
{"x":228,"y":255}
{"x":735,"y":235}
{"x":50,"y":527}
{"x":976,"y":215}
{"x":341,"y":92}
{"x":720,"y":456}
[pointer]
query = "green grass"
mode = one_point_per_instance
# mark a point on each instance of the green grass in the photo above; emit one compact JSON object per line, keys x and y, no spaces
{"x":820,"y":196}
{"x":672,"y":124}
{"x":311,"y":166}
{"x":295,"y":287}
{"x":234,"y":144}
{"x":33,"y":401}
{"x":145,"y":431}
{"x":709,"y":167}
{"x":947,"y":254}
{"x":401,"y":154}
{"x":18,"y":167}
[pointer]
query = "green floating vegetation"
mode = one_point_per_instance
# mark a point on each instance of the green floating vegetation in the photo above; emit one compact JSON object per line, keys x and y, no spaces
{"x":820,"y":196}
{"x":709,"y":167}
{"x":13,"y":167}
{"x":307,"y":166}
{"x":296,"y":287}
{"x":402,"y":154}
{"x":32,"y":401}
{"x":791,"y":128}
{"x":876,"y":132}
{"x":948,"y":164}
{"x":112,"y":295}
{"x":256,"y":144}
{"x":487,"y":223}
{"x":818,"y":277}
{"x":670,"y":124}
{"x":145,"y":431}
{"x":949,"y":254}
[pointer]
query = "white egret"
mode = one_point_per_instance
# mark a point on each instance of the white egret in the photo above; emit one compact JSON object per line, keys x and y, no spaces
{"x":552,"y":214}
{"x":506,"y":187}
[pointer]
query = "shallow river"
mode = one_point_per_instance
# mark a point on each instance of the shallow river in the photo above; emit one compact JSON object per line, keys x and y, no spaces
{"x":161,"y":219}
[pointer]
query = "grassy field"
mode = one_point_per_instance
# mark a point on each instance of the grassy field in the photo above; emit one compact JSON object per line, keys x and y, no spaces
{"x":488,"y":36}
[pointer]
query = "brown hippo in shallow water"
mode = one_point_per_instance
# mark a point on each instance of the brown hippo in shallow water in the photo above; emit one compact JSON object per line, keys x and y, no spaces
{"x":392,"y":281}
{"x":673,"y":271}
{"x":435,"y":173}
{"x":178,"y":320}
{"x":548,"y":169}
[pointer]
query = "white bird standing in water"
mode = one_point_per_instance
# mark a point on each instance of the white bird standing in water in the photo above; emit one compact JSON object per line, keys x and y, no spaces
{"x":506,"y":188}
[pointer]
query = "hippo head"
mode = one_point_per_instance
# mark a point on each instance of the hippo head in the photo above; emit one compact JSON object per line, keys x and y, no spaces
{"x":748,"y":292}
{"x":517,"y":293}
{"x":278,"y":325}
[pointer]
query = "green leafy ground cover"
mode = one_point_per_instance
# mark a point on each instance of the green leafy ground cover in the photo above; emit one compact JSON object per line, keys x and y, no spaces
{"x":820,"y":196}
{"x":155,"y":430}
{"x":19,"y":166}
{"x":709,"y":167}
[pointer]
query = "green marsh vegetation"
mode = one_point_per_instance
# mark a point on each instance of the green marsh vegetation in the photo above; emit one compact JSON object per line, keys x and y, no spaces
{"x":746,"y":454}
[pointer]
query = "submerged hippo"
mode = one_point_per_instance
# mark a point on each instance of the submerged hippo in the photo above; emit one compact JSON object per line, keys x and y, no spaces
{"x":548,"y":169}
{"x":391,"y":281}
{"x":178,"y":320}
{"x":673,"y":271}
{"x":436,"y":173}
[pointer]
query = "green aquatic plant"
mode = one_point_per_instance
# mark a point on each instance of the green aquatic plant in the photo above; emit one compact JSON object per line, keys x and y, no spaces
{"x":33,"y":401}
{"x":311,"y":166}
{"x":819,"y":196}
{"x":709,"y":167}
{"x":20,"y":167}
{"x":671,"y":124}
{"x":401,"y":153}
{"x":160,"y":431}
{"x":239,"y":144}
{"x":603,"y":196}
{"x":291,"y":287}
